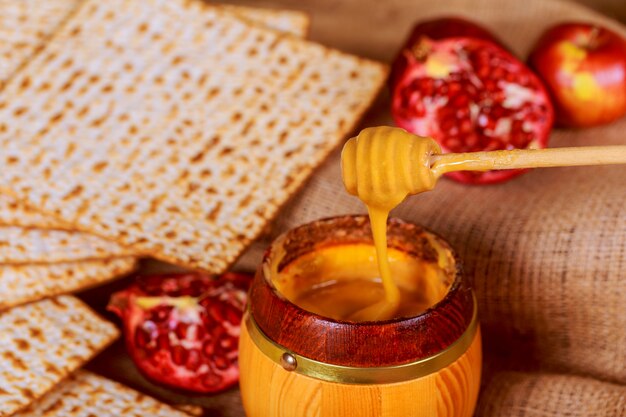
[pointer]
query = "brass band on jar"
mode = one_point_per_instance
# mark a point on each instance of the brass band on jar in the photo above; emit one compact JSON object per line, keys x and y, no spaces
{"x":293,"y":362}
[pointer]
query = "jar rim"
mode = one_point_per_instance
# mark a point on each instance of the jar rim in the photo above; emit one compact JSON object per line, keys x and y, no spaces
{"x":359,"y":343}
{"x":393,"y":221}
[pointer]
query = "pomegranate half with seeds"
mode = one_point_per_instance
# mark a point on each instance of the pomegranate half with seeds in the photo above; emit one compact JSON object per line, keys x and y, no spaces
{"x":182,"y":330}
{"x":470,"y":94}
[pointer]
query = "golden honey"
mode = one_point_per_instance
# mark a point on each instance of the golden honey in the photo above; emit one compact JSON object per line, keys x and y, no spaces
{"x":340,"y":281}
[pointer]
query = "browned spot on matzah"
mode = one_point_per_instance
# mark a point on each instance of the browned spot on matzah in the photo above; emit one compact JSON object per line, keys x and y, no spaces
{"x":14,"y":361}
{"x":22,"y":344}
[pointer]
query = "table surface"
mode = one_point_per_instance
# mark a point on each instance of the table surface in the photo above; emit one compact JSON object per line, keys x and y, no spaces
{"x":369,"y":28}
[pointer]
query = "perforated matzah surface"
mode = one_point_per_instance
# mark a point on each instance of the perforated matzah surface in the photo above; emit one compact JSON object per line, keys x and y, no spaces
{"x":42,"y":343}
{"x":24,"y":27}
{"x":89,"y":395}
{"x":173,"y":127}
{"x":26,"y":24}
{"x":25,"y":283}
{"x":14,"y":213}
{"x":21,"y":245}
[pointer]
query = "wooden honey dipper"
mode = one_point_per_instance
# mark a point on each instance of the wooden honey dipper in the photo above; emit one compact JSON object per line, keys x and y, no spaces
{"x":383,"y":165}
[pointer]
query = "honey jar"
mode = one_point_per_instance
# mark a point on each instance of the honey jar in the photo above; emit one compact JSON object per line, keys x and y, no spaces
{"x":302,"y":353}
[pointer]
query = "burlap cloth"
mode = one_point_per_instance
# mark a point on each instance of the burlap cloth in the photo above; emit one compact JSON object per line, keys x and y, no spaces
{"x":546,"y":253}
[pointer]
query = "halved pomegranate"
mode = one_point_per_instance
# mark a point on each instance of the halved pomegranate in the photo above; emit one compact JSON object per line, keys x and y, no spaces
{"x":469,"y":94}
{"x":182,"y":330}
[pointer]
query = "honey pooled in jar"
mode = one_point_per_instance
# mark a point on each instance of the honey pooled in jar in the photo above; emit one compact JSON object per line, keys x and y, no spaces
{"x":340,"y":281}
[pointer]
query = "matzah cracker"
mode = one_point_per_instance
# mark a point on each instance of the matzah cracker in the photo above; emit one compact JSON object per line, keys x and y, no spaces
{"x":25,"y":25}
{"x":20,"y":245}
{"x":85,"y":394}
{"x":42,"y":343}
{"x":173,"y":127}
{"x":20,"y":284}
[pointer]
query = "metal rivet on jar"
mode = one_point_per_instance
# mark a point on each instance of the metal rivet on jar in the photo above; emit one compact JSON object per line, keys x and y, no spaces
{"x":288,"y":361}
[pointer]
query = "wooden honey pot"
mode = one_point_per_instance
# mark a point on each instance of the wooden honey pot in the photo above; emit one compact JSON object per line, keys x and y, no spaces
{"x":295,"y":362}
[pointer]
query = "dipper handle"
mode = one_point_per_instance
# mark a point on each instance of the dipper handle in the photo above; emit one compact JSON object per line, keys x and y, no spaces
{"x":527,"y":158}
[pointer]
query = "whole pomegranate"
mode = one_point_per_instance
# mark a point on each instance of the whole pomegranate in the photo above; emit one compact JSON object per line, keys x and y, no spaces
{"x":470,"y":94}
{"x":182,"y":330}
{"x":584,"y":67}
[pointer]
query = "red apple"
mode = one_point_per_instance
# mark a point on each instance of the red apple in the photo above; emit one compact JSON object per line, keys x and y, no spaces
{"x":584,"y":68}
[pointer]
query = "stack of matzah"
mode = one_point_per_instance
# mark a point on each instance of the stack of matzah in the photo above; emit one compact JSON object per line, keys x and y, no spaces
{"x":173,"y":127}
{"x":168,"y":128}
{"x":41,"y":256}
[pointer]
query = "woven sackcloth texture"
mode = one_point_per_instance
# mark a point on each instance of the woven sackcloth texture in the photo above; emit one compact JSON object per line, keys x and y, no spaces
{"x":546,"y":252}
{"x":515,"y":394}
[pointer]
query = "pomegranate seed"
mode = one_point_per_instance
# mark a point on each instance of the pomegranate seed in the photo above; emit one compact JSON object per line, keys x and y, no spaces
{"x":426,"y":86}
{"x":490,"y":85}
{"x":419,"y":109}
{"x":221,"y":362}
{"x":494,"y":145}
{"x":497,"y":112}
{"x":142,"y":338}
{"x":160,"y":313}
{"x":498,"y":73}
{"x":194,"y":360}
{"x":453,"y":143}
{"x":207,"y":322}
{"x":208,"y":348}
{"x":521,"y":139}
{"x":163,"y":341}
{"x":216,"y":312}
{"x":181,"y":330}
{"x":211,"y":380}
{"x":463,"y":113}
{"x":179,"y":355}
{"x":471,"y":140}
{"x":482,"y":72}
{"x":466,"y":126}
{"x":233,"y":315}
{"x":218,"y":332}
{"x":454,"y":88}
{"x":228,"y":343}
{"x":200,"y":332}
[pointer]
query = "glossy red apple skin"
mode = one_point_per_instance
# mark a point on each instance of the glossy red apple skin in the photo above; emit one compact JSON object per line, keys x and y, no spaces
{"x":584,"y":69}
